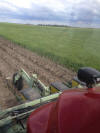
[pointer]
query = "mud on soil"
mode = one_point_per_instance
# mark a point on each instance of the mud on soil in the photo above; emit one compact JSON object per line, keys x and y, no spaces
{"x":14,"y":57}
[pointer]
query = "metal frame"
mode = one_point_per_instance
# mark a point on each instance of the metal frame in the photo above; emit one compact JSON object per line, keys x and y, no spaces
{"x":6,"y":116}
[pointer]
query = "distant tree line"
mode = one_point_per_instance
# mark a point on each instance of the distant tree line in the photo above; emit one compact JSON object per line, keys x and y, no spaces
{"x":53,"y":25}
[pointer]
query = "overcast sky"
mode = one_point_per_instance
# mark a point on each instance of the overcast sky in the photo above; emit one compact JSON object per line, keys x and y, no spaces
{"x":71,"y":12}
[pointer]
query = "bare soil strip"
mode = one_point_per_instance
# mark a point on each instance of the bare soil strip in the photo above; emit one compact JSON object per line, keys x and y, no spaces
{"x":14,"y":57}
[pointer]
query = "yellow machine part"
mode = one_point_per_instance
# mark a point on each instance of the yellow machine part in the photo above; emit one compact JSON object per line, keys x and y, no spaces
{"x":53,"y":90}
{"x":23,"y":97}
{"x":74,"y":83}
{"x":57,"y":86}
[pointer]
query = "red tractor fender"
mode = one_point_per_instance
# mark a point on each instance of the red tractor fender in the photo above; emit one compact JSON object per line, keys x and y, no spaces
{"x":74,"y":111}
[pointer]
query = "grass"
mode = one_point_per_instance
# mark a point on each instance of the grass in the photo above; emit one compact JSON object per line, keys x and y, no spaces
{"x":71,"y":47}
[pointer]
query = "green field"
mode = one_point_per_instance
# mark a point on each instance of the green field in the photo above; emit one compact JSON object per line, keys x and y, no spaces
{"x":71,"y":47}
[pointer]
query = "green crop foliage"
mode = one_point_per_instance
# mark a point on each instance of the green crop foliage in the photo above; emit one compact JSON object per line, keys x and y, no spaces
{"x":71,"y":47}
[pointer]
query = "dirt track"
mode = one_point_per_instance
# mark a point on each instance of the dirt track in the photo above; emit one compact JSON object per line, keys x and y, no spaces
{"x":14,"y":57}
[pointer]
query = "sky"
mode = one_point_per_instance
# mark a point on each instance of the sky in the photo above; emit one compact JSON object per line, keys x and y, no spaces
{"x":82,"y":13}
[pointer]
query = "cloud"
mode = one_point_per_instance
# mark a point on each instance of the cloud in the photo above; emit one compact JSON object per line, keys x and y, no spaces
{"x":73,"y":12}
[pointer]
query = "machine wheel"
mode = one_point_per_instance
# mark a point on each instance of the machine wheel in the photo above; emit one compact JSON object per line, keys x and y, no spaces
{"x":19,"y":83}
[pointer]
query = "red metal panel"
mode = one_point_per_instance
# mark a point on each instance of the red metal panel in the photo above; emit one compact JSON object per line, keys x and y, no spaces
{"x":74,"y":112}
{"x":38,"y":120}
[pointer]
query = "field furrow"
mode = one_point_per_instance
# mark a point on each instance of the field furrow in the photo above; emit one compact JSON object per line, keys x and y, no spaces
{"x":14,"y":57}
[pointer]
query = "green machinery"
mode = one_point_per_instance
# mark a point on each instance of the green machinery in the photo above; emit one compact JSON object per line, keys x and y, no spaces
{"x":32,"y":93}
{"x":30,"y":87}
{"x":13,"y":120}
